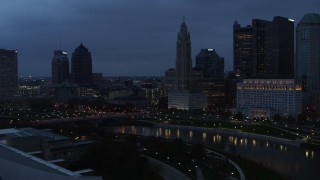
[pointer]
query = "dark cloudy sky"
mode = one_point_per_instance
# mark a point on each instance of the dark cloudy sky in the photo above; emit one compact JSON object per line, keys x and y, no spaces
{"x":129,"y":37}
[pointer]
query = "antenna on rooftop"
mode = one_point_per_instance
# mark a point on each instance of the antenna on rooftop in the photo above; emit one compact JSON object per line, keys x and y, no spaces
{"x":60,"y":43}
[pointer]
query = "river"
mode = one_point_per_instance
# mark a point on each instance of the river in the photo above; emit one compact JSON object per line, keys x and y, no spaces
{"x":290,"y":161}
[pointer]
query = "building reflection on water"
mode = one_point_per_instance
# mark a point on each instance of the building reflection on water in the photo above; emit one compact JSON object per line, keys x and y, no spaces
{"x":292,"y":162}
{"x":309,"y":154}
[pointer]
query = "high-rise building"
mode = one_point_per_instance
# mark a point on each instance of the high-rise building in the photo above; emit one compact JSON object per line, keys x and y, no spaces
{"x":307,"y":65}
{"x":265,"y":49}
{"x":183,"y":59}
{"x":181,"y":82}
{"x":283,"y":47}
{"x":211,"y":64}
{"x":261,"y":48}
{"x":81,"y":66}
{"x":60,"y":67}
{"x":170,"y":81}
{"x":242,"y":50}
{"x":8,"y":72}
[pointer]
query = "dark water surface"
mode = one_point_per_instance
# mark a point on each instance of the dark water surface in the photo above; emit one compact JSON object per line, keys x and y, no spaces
{"x":292,"y":162}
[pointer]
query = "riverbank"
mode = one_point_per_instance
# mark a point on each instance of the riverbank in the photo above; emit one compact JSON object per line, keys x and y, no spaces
{"x":243,"y":167}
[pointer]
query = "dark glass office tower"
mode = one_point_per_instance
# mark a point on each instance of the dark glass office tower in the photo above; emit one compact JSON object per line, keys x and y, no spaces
{"x":81,"y":66}
{"x":265,"y":49}
{"x":8,"y":72}
{"x":211,"y":64}
{"x":283,"y":47}
{"x":261,"y":48}
{"x":242,"y":50}
{"x":60,"y":67}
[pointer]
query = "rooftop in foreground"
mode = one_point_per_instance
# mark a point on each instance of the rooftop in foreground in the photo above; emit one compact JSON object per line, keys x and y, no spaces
{"x":17,"y":164}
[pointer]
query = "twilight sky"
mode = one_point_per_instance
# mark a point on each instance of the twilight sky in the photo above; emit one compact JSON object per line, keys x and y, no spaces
{"x":129,"y":37}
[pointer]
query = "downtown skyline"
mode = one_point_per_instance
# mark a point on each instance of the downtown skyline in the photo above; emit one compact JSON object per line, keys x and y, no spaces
{"x":129,"y":38}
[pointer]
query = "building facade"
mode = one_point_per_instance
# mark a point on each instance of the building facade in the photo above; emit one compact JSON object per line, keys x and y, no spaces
{"x":8,"y":72}
{"x":211,"y":64}
{"x":187,"y":101}
{"x":215,"y":91}
{"x":60,"y":67}
{"x":267,"y":97}
{"x":81,"y":66}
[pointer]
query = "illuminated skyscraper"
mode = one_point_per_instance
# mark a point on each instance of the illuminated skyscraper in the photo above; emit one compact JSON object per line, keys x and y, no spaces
{"x":81,"y":66}
{"x":8,"y":73}
{"x":60,"y":67}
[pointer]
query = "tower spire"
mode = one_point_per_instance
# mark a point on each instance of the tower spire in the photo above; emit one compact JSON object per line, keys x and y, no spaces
{"x":183,"y":58}
{"x":183,"y":19}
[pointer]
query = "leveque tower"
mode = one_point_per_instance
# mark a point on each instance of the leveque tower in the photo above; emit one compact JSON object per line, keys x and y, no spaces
{"x":183,"y":59}
{"x":180,"y":82}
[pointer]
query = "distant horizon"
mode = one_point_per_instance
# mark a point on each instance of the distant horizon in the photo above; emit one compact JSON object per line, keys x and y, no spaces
{"x":121,"y":76}
{"x":129,"y":38}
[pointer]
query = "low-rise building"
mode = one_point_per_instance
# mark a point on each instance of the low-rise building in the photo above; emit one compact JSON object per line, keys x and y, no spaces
{"x":187,"y":100}
{"x":267,"y":97}
{"x":215,"y":91}
{"x":135,"y":101}
{"x":29,"y":153}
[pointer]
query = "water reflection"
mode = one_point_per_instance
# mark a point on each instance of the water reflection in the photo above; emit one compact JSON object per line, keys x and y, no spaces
{"x":292,"y":162}
{"x":190,"y":135}
{"x":254,"y":143}
{"x":230,"y":139}
{"x":235,"y":141}
{"x":216,"y":139}
{"x":134,"y":130}
{"x":204,"y":137}
{"x":309,"y":154}
{"x":166,"y":133}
